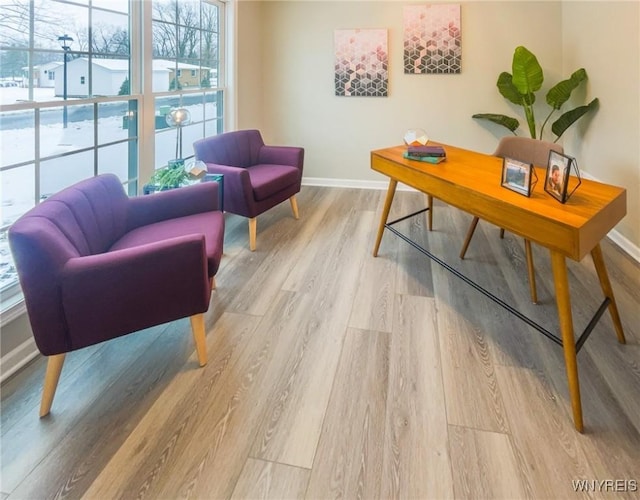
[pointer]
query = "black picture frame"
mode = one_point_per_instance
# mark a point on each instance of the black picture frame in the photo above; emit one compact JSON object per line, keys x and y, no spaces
{"x":518,"y":176}
{"x":556,"y":181}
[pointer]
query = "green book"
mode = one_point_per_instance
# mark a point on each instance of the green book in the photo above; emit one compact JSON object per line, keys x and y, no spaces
{"x":426,"y":159}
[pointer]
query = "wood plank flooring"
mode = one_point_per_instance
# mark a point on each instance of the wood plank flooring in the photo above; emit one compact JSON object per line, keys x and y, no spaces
{"x":333,"y":374}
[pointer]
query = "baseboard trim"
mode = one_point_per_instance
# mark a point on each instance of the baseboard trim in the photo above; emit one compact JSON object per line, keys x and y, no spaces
{"x":17,"y":358}
{"x":632,"y":250}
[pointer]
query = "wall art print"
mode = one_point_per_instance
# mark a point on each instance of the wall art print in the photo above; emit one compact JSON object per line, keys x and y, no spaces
{"x":432,"y":39}
{"x":361,"y":62}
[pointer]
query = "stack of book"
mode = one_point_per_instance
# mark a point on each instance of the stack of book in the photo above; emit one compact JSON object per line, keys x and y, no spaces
{"x":430,"y":154}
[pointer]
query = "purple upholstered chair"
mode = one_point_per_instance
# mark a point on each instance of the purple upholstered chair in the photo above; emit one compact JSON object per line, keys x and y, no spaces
{"x":95,"y":264}
{"x":256,"y":177}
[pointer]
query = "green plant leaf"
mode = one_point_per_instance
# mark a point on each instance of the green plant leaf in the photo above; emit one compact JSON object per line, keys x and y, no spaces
{"x":527,"y":72}
{"x":506,"y":121}
{"x":507,"y":89}
{"x":560,"y":93}
{"x":520,"y":87}
{"x":570,"y":117}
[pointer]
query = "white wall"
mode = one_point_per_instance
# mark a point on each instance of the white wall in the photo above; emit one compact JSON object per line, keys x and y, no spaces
{"x":604,"y":38}
{"x":285,"y":70}
{"x":250,"y":55}
{"x":299,"y":105}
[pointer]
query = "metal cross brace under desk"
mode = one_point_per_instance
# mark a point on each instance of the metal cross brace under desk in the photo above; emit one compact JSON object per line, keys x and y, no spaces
{"x":470,"y":181}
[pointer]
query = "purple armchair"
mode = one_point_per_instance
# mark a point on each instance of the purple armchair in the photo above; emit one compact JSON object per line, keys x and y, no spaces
{"x":256,"y":177}
{"x":95,"y":264}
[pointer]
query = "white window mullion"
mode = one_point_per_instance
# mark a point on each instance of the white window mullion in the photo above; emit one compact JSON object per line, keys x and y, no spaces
{"x":142,"y":55}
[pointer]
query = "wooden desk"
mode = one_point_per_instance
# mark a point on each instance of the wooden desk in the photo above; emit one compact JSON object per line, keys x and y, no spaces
{"x":470,"y":181}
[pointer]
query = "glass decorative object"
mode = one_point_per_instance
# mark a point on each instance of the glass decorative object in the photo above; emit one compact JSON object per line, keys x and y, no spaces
{"x":415,"y":137}
{"x":178,"y":118}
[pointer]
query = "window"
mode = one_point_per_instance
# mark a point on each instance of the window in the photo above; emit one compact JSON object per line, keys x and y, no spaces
{"x":187,"y":35}
{"x":94,"y":130}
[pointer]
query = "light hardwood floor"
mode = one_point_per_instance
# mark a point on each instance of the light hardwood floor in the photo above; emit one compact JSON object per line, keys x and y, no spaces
{"x":333,"y":374}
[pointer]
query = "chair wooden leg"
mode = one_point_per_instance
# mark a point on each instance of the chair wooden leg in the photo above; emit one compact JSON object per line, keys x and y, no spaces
{"x":467,"y":240}
{"x":532,"y":272}
{"x":198,"y":330}
{"x":52,"y":375}
{"x":501,"y":233}
{"x":430,"y":212}
{"x":252,"y":234}
{"x":294,"y":207}
{"x":212,"y":283}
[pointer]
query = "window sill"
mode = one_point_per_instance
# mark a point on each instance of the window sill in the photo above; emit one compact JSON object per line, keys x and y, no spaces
{"x":12,"y":309}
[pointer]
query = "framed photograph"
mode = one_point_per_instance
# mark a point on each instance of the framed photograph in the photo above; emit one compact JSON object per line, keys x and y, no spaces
{"x":557,"y":177}
{"x":518,"y":176}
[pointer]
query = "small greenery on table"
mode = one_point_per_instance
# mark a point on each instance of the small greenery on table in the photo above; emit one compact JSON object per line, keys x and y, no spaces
{"x":171,"y":176}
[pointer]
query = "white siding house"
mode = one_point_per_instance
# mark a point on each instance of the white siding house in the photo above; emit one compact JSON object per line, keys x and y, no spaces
{"x":108,"y":75}
{"x":43,"y":75}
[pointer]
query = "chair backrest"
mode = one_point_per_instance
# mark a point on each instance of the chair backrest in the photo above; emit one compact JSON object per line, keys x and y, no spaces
{"x":238,"y":149}
{"x":527,"y":150}
{"x":83,"y":219}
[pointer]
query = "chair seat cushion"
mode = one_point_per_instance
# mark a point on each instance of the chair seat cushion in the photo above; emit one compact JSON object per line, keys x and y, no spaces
{"x":266,"y":180}
{"x":210,"y":224}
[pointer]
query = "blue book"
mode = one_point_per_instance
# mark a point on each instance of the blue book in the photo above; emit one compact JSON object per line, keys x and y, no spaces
{"x":426,"y":159}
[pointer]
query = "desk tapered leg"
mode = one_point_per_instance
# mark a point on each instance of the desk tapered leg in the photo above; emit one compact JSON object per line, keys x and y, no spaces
{"x":605,"y":284}
{"x":391,"y":191}
{"x":532,"y":272}
{"x":563,"y":301}
{"x":430,"y":212}
{"x":467,"y":240}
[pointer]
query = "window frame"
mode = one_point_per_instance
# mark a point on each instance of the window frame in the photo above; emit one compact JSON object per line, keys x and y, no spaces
{"x":140,"y":76}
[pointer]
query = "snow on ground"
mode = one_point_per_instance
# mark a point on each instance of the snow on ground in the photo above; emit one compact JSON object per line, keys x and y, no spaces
{"x":15,"y":95}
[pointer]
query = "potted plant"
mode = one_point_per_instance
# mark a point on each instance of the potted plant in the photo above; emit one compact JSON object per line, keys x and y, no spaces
{"x":172,"y":176}
{"x":520,"y":88}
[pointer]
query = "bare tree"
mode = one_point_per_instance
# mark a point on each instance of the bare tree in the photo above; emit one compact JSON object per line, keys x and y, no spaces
{"x":183,"y":30}
{"x":15,"y":22}
{"x":210,"y":26}
{"x":109,"y":40}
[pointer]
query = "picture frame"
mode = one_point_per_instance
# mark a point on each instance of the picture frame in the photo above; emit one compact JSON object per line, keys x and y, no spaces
{"x":558,"y":176}
{"x":518,"y":176}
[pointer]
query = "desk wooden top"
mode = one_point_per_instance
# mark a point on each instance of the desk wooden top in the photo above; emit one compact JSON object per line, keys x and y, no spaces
{"x":471,"y":181}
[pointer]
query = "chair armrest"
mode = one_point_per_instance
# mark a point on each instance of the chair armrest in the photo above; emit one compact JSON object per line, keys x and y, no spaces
{"x":131,"y":289}
{"x":236,"y":181}
{"x":171,"y":204}
{"x":282,"y":155}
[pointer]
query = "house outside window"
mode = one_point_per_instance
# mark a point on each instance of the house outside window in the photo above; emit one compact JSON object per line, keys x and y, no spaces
{"x":188,"y":36}
{"x":98,"y":129}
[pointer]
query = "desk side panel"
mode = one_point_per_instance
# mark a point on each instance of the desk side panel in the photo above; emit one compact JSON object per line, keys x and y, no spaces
{"x":601,"y":223}
{"x":525,"y":223}
{"x":471,"y":181}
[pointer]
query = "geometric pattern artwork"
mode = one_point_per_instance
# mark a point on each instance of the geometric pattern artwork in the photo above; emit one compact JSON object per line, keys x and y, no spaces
{"x":432,"y":39}
{"x":361,"y":62}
